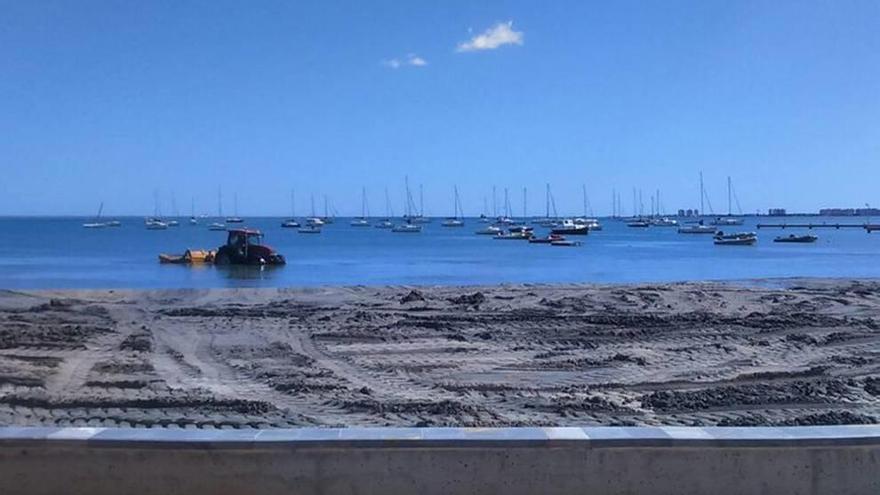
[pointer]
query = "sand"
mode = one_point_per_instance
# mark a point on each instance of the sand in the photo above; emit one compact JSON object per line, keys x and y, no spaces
{"x":670,"y":354}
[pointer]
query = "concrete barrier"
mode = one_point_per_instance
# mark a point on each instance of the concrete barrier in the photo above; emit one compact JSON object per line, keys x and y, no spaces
{"x":425,"y":461}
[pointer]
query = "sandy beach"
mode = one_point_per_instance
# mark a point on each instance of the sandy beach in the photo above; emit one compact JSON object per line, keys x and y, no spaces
{"x":670,"y":354}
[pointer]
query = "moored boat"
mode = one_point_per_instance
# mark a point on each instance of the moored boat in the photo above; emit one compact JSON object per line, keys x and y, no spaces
{"x":568,"y":227}
{"x":489,"y":230}
{"x":546,"y":240}
{"x":737,"y":239}
{"x":698,"y":228}
{"x":792,"y":238}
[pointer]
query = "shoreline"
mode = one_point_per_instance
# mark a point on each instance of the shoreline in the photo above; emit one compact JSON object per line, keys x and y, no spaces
{"x":674,"y":354}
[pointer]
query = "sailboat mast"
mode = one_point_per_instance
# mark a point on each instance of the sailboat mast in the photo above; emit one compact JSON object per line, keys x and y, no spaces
{"x":506,"y":204}
{"x":421,"y":202}
{"x":729,"y":206}
{"x":584,"y":190}
{"x":702,"y":194}
{"x":494,"y":203}
{"x":547,"y":199}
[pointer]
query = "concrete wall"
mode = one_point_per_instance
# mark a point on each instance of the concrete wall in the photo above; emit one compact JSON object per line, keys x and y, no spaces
{"x":839,"y":460}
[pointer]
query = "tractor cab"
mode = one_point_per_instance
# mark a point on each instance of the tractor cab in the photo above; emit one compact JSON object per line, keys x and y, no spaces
{"x":244,"y":238}
{"x":245,"y":247}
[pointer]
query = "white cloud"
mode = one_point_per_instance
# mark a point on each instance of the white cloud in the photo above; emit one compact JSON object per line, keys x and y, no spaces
{"x":411,"y":60}
{"x":498,"y":35}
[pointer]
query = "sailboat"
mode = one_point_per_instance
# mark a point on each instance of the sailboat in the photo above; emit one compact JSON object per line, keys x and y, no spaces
{"x":548,"y":221}
{"x":235,"y":218}
{"x":97,"y":224}
{"x":291,"y":222}
{"x":588,"y":220}
{"x":699,"y":227}
{"x":420,"y":218}
{"x":327,"y":218}
{"x":155,"y":222}
{"x":173,"y":222}
{"x":362,"y":220}
{"x":505,"y":219}
{"x":314,"y":221}
{"x":729,"y":219}
{"x":192,"y":212}
{"x":455,"y":220}
{"x":385,"y":223}
{"x":218,"y":225}
{"x":408,"y":227}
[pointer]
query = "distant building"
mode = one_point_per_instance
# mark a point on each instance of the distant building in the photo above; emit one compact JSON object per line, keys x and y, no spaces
{"x":849,"y":212}
{"x":776,"y":212}
{"x":688,"y":213}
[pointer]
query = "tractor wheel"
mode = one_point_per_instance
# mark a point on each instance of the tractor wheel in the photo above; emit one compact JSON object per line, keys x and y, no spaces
{"x":222,"y":258}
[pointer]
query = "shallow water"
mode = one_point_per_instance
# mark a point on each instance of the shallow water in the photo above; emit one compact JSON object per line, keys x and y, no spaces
{"x":59,"y":253}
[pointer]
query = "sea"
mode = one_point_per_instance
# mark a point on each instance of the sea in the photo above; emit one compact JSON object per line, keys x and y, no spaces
{"x":56,"y":253}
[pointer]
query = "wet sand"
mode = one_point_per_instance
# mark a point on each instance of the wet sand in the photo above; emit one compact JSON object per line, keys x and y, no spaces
{"x":667,"y":354}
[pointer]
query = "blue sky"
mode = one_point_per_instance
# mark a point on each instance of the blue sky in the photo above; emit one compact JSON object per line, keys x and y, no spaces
{"x":113,"y":100}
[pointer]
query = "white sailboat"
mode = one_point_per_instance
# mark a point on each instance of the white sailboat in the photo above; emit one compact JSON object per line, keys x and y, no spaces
{"x":314,"y":221}
{"x":588,"y":219}
{"x":192,"y":212}
{"x":362,"y":220}
{"x":217,"y":226}
{"x":291,"y":222}
{"x":235,"y":218}
{"x":455,"y":220}
{"x":385,"y":223}
{"x":729,"y":219}
{"x":699,"y":227}
{"x":155,"y":222}
{"x":97,"y":224}
{"x":408,"y":227}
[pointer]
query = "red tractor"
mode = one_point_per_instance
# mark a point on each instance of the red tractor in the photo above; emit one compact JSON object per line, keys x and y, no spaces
{"x":245,"y":247}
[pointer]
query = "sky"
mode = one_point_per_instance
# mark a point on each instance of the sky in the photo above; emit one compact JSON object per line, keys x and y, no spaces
{"x":122,"y":102}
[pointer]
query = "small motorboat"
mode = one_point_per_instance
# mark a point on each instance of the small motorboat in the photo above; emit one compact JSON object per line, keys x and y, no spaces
{"x":309,"y":229}
{"x":665,"y":222}
{"x":803,"y":239}
{"x":407,"y":228}
{"x":155,"y":224}
{"x":234,"y":220}
{"x":568,"y":227}
{"x":173,"y":223}
{"x":727,"y":221}
{"x":522,"y":235}
{"x":591,"y":223}
{"x":113,"y":223}
{"x":217,"y":226}
{"x":315,"y":222}
{"x":360,"y":222}
{"x":565,"y":243}
{"x":94,"y":225}
{"x":638,"y":223}
{"x":290,"y":223}
{"x":489,"y":230}
{"x":698,"y":228}
{"x":546,"y":240}
{"x":384,"y":224}
{"x":738,"y":239}
{"x":452,"y":222}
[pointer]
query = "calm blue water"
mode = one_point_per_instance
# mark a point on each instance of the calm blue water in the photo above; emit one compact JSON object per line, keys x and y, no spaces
{"x":59,"y":253}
